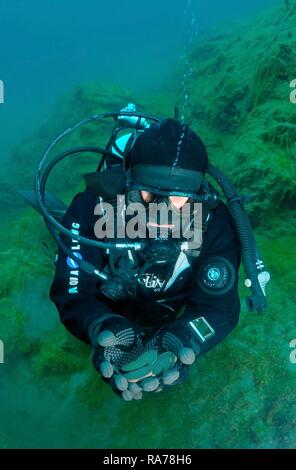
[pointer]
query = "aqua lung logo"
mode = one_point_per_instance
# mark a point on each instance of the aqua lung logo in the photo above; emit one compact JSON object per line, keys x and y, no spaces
{"x":71,"y":263}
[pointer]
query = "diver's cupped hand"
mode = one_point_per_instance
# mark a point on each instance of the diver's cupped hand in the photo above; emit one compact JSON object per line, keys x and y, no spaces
{"x":154,"y":371}
{"x":116,"y":342}
{"x":131,"y":366}
{"x":179,"y":339}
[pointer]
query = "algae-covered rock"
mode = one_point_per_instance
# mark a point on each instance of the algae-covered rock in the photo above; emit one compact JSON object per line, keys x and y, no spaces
{"x":11,"y":327}
{"x":12,"y":331}
{"x":263,"y":152}
{"x":241,"y":393}
{"x":61,"y":353}
{"x":239,"y":102}
{"x":82,"y":102}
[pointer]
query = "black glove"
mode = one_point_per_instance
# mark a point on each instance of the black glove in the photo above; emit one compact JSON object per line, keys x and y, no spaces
{"x":176,"y":348}
{"x":181,"y":339}
{"x":133,"y":365}
{"x":116,"y":342}
{"x":168,"y":354}
{"x":126,"y":362}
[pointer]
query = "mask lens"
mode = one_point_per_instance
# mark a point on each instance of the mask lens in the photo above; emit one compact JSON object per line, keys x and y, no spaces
{"x":178,"y":201}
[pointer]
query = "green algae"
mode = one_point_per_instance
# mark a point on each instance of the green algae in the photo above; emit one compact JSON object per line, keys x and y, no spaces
{"x":242,"y":393}
{"x":239,"y":101}
{"x":60,"y":354}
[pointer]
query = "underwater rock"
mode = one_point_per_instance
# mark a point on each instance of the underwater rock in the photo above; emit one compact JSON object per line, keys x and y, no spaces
{"x":245,"y":103}
{"x":84,"y":101}
{"x":240,"y":394}
{"x":61,"y":354}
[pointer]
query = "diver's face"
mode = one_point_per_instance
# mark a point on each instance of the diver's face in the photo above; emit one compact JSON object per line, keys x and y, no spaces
{"x":177,"y":201}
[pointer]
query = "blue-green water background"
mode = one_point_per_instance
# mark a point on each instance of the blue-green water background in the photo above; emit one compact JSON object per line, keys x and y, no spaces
{"x":47,"y":48}
{"x":61,"y":61}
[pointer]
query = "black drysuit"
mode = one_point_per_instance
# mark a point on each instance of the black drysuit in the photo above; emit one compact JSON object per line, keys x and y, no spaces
{"x":161,"y":292}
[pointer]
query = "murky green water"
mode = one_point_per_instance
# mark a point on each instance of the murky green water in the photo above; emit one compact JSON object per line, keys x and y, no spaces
{"x":242,"y":393}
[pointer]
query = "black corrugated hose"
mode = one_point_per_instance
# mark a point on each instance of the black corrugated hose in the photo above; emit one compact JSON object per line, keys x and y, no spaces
{"x":252,"y":261}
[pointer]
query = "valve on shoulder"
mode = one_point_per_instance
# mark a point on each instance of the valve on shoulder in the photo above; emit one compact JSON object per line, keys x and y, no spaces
{"x":129,"y":120}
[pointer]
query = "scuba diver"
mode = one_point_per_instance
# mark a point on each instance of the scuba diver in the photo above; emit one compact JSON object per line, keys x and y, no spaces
{"x":149,"y":308}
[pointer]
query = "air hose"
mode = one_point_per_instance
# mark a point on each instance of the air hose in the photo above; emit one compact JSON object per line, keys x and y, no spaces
{"x":129,"y":118}
{"x":257,"y":277}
